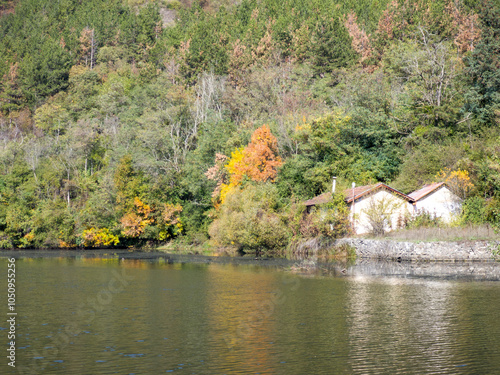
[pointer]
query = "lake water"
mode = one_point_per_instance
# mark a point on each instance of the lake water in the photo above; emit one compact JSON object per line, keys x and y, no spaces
{"x":119,"y":316}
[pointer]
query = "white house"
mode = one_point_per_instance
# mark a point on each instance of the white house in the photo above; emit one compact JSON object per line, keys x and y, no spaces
{"x":366,"y":202}
{"x":381,"y":206}
{"x":377,"y":205}
{"x":438,"y":200}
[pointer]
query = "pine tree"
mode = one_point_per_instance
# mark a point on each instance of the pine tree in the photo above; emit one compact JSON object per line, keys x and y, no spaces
{"x":331,"y":46}
{"x":483,"y":67}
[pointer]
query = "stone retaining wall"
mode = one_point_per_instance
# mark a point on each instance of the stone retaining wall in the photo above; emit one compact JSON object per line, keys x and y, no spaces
{"x":423,"y":251}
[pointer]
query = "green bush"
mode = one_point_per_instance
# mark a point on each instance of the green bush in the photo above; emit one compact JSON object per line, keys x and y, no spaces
{"x":474,"y":211}
{"x":329,"y":220}
{"x":424,"y":219}
{"x":249,"y":219}
{"x":173,"y":4}
{"x":492,"y":212}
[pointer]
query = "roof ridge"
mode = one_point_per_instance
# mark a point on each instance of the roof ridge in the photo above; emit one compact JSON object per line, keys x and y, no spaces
{"x":360,"y":191}
{"x":372,"y":187}
{"x":426,"y":190}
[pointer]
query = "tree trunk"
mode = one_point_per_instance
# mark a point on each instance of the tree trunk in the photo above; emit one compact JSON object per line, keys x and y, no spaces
{"x":92,"y":46}
{"x":68,"y":191}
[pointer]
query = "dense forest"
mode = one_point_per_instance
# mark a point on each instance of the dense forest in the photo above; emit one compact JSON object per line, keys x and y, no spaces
{"x":133,"y":123}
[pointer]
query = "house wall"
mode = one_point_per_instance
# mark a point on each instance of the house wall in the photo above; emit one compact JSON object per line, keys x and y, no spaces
{"x":442,"y":203}
{"x":398,"y":207}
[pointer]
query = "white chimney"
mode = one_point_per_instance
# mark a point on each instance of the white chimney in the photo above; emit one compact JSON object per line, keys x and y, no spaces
{"x":333,"y":185}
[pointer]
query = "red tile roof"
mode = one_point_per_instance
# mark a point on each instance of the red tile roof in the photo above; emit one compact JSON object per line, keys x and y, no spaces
{"x":320,"y":199}
{"x":359,"y":191}
{"x":363,"y":190}
{"x":426,"y":190}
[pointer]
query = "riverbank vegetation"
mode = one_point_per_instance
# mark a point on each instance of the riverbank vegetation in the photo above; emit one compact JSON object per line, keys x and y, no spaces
{"x":446,"y":233}
{"x":135,"y":123}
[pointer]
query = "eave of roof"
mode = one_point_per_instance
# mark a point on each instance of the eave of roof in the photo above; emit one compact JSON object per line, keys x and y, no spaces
{"x":425,"y":191}
{"x":358,"y":191}
{"x":364,"y":190}
{"x":320,"y":199}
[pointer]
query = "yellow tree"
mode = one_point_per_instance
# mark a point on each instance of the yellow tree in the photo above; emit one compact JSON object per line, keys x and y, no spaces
{"x":458,"y":181}
{"x":163,"y":222}
{"x":258,"y":161}
{"x":133,"y":223}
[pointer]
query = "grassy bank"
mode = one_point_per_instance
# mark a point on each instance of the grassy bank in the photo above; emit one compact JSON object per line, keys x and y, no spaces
{"x":322,"y":248}
{"x":183,"y":245}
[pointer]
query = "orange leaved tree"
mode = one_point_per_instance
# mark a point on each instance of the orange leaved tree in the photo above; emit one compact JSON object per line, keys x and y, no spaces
{"x":258,"y":161}
{"x":133,"y":223}
{"x":261,"y":159}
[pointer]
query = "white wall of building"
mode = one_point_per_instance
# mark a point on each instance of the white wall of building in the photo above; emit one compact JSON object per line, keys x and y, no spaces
{"x":397,"y":207}
{"x":441,"y":203}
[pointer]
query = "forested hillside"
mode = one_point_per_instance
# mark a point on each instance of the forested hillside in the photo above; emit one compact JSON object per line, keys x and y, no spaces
{"x":130,"y":123}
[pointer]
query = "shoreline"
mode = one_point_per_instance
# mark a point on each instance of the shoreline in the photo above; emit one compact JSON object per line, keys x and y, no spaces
{"x":365,"y":248}
{"x":464,"y":270}
{"x":439,"y":251}
{"x":138,"y":254}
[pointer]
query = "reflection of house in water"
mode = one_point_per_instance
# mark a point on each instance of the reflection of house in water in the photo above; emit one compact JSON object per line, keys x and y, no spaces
{"x":405,"y":316}
{"x":381,"y":199}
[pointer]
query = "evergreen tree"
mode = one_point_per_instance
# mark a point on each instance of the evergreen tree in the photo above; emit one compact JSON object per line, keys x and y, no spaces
{"x":45,"y":71}
{"x":331,"y":46}
{"x":483,"y":67}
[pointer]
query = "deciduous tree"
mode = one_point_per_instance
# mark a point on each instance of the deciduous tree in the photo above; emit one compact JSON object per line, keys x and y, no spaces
{"x":259,"y":161}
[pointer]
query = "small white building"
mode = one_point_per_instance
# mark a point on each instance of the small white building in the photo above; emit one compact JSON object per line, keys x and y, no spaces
{"x":438,"y":200}
{"x":371,"y":205}
{"x":377,"y":208}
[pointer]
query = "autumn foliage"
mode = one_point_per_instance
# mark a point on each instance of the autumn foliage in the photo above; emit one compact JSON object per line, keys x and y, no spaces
{"x":387,"y":21}
{"x":458,"y":181}
{"x":258,"y":161}
{"x":133,"y":223}
{"x":261,"y":160}
{"x":218,"y":173}
{"x":102,"y":237}
{"x":360,"y":41}
{"x":170,"y":222}
{"x":163,"y":222}
{"x":467,"y":28}
{"x":454,"y":20}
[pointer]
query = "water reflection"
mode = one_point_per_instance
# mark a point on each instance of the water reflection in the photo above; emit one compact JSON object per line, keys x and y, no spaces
{"x":244,"y":319}
{"x":241,"y":316}
{"x":403,"y":324}
{"x":439,"y":270}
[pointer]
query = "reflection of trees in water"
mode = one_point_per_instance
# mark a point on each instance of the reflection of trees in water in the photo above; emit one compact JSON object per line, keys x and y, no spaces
{"x":241,"y":311}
